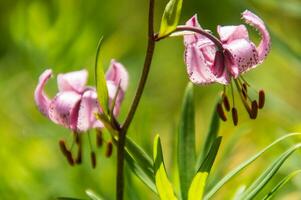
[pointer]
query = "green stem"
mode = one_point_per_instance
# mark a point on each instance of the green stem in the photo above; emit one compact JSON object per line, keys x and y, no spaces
{"x":123,"y":129}
{"x":208,"y":35}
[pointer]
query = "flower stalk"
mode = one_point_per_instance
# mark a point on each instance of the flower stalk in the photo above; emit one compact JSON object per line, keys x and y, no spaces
{"x":122,"y":131}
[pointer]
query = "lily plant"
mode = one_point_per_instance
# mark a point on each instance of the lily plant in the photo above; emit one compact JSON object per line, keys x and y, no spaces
{"x":208,"y":59}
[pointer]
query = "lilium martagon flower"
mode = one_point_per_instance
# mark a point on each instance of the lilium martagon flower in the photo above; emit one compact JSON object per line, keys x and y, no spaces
{"x":75,"y":105}
{"x":208,"y":64}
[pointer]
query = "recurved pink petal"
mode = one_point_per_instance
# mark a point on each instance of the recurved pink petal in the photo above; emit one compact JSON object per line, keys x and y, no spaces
{"x":86,"y":115}
{"x":244,"y":56}
{"x":194,"y":37}
{"x":72,"y":81}
{"x":112,"y":89}
{"x":218,"y":66}
{"x":64,"y":107}
{"x":41,"y":99}
{"x":230,"y":33}
{"x":265,"y":44}
{"x":230,"y":64}
{"x":118,"y":75}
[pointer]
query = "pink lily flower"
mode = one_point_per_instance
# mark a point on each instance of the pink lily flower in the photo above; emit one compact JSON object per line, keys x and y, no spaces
{"x":207,"y":64}
{"x":75,"y":104}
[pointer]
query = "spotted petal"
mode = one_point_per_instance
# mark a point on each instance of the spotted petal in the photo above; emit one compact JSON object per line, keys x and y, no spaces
{"x":41,"y":99}
{"x":118,"y":75}
{"x":72,"y":81}
{"x":265,"y":44}
{"x":64,"y":108}
{"x":244,"y":55}
{"x":199,"y":69}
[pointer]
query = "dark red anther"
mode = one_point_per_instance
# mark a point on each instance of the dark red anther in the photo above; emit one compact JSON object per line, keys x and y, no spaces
{"x":99,"y":138}
{"x":226,"y":102}
{"x":220,"y":111}
{"x":77,"y":137}
{"x":109,"y":149}
{"x":93,"y":159}
{"x":254,"y":110}
{"x":66,"y":152}
{"x":261,"y":99}
{"x":70,"y":158}
{"x":63,"y":147}
{"x":244,"y":90}
{"x":78,"y":159}
{"x":234,"y":116}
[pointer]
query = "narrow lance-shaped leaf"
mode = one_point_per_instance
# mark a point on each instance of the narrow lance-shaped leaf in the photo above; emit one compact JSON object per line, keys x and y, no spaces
{"x":92,"y":195}
{"x":197,"y":187}
{"x":198,"y":184}
{"x":146,"y":176}
{"x":210,"y":138}
{"x":186,"y":142}
{"x":171,"y":17}
{"x":243,"y":165}
{"x":164,"y":186}
{"x":210,"y":158}
{"x":281,"y":184}
{"x":140,"y":163}
{"x":268,"y":174}
{"x":100,"y":82}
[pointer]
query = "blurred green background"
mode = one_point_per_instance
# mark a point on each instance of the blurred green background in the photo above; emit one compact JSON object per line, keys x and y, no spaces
{"x":63,"y":34}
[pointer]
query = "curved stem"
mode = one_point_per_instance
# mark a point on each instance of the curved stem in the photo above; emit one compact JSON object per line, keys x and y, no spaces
{"x":147,"y":64}
{"x":211,"y":37}
{"x":123,"y":129}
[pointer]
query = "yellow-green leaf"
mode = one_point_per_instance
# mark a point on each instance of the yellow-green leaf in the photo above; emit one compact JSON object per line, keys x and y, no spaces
{"x":164,"y":187}
{"x":197,"y":186}
{"x":171,"y":17}
{"x":100,"y":82}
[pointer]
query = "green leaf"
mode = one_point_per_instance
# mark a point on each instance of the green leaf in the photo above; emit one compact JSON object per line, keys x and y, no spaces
{"x":243,"y":165}
{"x":186,"y":142}
{"x":139,"y":154}
{"x":68,"y":198}
{"x":210,"y":158}
{"x":268,"y":174}
{"x":281,"y":184}
{"x":239,"y":192}
{"x":210,"y":138}
{"x":140,"y":163}
{"x":91,"y":194}
{"x":171,"y":17}
{"x":100,"y":82}
{"x":197,"y":187}
{"x":164,"y":186}
{"x":146,"y":176}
